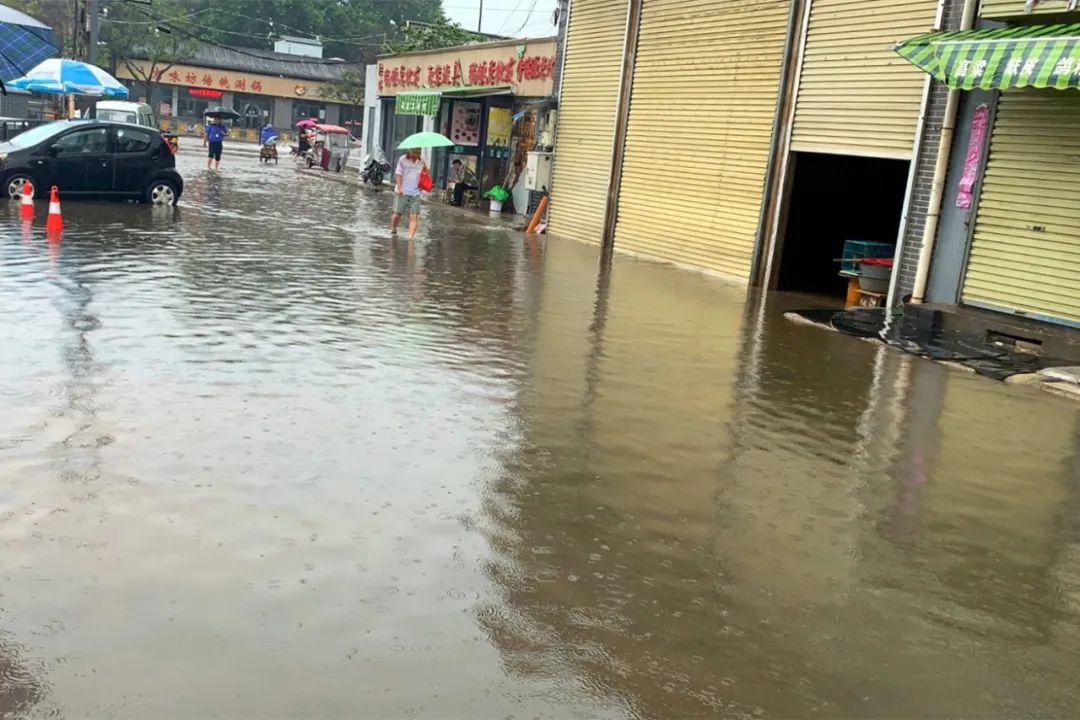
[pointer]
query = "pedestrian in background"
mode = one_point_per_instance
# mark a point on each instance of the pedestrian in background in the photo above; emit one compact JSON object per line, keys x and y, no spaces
{"x":215,"y":137}
{"x":463,"y":179}
{"x":407,"y":191}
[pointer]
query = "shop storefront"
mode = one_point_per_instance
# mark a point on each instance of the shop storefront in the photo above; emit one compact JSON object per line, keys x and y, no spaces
{"x":261,"y":86}
{"x":1021,"y":168}
{"x":589,"y":93}
{"x":487,"y":98}
{"x":665,"y":125}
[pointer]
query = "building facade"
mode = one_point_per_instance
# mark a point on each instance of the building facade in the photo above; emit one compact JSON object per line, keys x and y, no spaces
{"x":489,"y":98}
{"x":262,"y":86}
{"x":753,"y":140}
{"x":714,"y":136}
{"x":1008,"y":239}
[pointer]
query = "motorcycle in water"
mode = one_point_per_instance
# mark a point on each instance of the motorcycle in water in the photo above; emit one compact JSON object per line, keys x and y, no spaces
{"x":375,"y":170}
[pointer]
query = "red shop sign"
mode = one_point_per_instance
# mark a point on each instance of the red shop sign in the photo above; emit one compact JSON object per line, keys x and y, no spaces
{"x":204,"y":93}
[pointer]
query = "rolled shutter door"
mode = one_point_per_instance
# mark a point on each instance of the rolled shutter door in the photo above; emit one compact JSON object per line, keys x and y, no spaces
{"x":856,"y":95}
{"x":596,"y":37}
{"x":702,"y":107}
{"x":1025,"y":253}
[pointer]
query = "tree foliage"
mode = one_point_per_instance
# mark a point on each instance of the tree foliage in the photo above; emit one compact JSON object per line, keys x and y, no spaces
{"x":149,"y":32}
{"x":354,"y":30}
{"x":431,"y":36}
{"x":347,"y":89}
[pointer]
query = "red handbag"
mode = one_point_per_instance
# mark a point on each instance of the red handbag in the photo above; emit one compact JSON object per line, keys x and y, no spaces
{"x":425,"y":184}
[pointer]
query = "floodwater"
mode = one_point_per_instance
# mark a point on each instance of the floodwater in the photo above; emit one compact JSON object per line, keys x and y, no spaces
{"x":258,"y":460}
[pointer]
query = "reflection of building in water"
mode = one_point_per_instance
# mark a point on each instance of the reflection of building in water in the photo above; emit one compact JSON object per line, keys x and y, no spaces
{"x":707,"y":521}
{"x":22,"y":685}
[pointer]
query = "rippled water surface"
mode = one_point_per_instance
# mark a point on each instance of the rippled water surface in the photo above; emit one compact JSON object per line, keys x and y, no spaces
{"x":259,"y":460}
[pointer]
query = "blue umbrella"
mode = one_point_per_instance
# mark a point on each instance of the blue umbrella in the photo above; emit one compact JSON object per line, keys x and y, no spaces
{"x":60,"y":76}
{"x":24,"y":42}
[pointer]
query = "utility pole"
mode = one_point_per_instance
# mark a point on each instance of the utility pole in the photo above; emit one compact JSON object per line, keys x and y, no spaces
{"x":479,"y":18}
{"x":76,"y":27}
{"x":90,"y":27}
{"x":92,"y":24}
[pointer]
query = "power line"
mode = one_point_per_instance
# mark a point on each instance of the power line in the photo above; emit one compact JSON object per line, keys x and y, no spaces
{"x":508,"y":16}
{"x":527,"y":18}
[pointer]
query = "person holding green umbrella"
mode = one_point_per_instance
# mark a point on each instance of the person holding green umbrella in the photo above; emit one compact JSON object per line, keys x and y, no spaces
{"x":407,"y":179}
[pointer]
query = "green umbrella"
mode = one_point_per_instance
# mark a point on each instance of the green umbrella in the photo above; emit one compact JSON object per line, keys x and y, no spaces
{"x":425,"y":140}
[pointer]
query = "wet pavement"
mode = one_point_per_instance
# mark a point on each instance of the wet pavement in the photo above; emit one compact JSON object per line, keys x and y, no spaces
{"x":258,"y":460}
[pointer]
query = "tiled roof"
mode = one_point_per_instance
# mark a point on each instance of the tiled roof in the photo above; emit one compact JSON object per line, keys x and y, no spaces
{"x":265,"y":62}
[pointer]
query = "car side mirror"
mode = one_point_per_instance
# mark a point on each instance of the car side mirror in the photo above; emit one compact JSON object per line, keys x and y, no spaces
{"x":55,"y":150}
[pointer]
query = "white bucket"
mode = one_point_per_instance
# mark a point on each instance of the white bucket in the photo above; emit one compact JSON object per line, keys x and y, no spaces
{"x":496,"y":207}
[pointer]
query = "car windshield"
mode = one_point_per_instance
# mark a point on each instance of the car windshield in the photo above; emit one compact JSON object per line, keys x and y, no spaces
{"x":117,"y":116}
{"x":36,"y":135}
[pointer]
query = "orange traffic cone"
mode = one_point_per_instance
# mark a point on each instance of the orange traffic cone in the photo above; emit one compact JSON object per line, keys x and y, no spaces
{"x":55,"y":224}
{"x":26,"y":209}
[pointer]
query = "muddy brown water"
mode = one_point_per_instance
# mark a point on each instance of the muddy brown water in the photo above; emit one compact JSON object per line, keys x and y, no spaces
{"x":258,"y":460}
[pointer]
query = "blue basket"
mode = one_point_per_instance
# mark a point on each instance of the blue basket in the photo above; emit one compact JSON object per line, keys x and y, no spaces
{"x":855,"y":250}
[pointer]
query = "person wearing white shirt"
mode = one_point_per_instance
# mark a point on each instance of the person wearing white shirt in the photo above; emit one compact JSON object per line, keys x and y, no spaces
{"x":407,"y":191}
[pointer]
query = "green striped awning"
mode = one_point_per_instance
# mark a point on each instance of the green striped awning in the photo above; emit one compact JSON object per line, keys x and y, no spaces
{"x":1042,"y":56}
{"x":418,"y":103}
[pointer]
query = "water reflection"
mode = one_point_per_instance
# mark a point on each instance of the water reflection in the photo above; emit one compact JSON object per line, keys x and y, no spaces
{"x":776,"y":520}
{"x":21,"y":686}
{"x":259,"y":434}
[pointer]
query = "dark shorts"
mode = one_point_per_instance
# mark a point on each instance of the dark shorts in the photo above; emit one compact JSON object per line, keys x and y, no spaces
{"x":215,"y":151}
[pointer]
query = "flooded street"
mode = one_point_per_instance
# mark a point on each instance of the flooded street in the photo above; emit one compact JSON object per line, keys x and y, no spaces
{"x":259,"y":460}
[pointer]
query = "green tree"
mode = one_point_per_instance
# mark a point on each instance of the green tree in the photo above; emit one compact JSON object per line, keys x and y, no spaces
{"x":147,"y":39}
{"x":353,"y":30}
{"x":347,"y":89}
{"x":431,"y":36}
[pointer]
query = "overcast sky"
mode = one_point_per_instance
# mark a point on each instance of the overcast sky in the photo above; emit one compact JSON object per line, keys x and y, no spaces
{"x":505,"y":17}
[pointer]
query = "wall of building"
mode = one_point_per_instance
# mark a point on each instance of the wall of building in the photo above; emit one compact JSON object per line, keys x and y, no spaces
{"x":240,"y":81}
{"x":372,"y":130}
{"x":333,"y":114}
{"x":526,"y":67}
{"x":282,"y":112}
{"x":954,"y":225}
{"x":924,"y":175}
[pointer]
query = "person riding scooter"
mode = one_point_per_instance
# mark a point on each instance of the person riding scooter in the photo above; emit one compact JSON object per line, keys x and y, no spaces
{"x":268,"y":134}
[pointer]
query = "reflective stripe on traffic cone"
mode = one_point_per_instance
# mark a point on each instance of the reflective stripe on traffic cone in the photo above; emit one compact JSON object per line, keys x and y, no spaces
{"x":55,"y":223}
{"x":26,"y":209}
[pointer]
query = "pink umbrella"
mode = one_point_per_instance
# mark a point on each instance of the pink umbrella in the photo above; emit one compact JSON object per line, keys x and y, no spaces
{"x":306,"y":123}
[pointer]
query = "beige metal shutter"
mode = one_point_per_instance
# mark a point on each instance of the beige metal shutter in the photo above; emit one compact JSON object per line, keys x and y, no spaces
{"x":596,"y":37}
{"x":697,"y":145}
{"x":1025,"y":254}
{"x":856,"y":95}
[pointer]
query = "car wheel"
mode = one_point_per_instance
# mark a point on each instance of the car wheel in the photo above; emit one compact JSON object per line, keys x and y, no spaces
{"x":15,"y":185}
{"x":161,"y":192}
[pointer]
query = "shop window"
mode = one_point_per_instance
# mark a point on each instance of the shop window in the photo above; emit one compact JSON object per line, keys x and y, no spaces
{"x":191,"y":109}
{"x":303,"y":110}
{"x":254,"y":111}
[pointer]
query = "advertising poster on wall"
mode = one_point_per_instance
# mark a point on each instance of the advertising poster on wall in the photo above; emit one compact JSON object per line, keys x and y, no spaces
{"x":499,"y":125}
{"x":465,"y":126}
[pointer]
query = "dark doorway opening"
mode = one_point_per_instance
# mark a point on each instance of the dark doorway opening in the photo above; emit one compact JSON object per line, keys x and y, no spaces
{"x":835,"y":198}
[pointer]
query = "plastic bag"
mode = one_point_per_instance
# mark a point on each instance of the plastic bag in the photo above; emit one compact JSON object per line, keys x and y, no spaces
{"x":425,"y":184}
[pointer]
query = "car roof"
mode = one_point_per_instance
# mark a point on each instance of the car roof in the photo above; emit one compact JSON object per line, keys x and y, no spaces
{"x":92,"y":121}
{"x":122,"y":105}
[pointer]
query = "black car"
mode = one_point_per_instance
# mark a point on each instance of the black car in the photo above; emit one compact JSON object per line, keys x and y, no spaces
{"x":92,"y":159}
